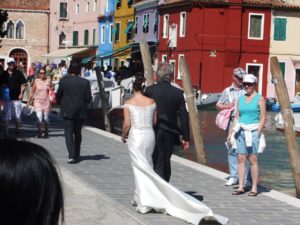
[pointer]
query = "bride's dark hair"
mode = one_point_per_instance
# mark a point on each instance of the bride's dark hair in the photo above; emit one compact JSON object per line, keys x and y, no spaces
{"x":139,"y":82}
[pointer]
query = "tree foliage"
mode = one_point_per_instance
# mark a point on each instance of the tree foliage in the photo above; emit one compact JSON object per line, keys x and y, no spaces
{"x":3,"y":19}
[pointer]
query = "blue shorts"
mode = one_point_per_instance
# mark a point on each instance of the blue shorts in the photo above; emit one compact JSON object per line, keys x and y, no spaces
{"x":241,"y":147}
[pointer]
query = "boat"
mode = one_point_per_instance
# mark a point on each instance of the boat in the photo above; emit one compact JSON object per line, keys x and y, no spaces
{"x":294,"y":106}
{"x":280,"y":123}
{"x":204,"y":100}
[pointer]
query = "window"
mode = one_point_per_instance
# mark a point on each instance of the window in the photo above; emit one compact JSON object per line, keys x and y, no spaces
{"x":256,"y":26}
{"x":75,"y":38}
{"x":166,"y":26}
{"x":94,"y":36}
{"x":20,"y":30}
{"x":77,"y":9}
{"x":95,"y":5}
{"x":107,"y":6}
{"x":62,"y":39}
{"x":102,"y":34}
{"x":10,"y":29}
{"x":63,"y":10}
{"x":146,"y":24}
{"x":117,"y":32}
{"x":180,"y":56}
{"x":118,"y":3}
{"x":128,"y":31}
{"x":182,"y":24}
{"x":86,"y":37}
{"x":280,"y":29}
{"x":173,"y":62}
{"x":111,"y":27}
{"x":282,"y":68}
{"x":155,"y":23}
{"x":136,"y":24}
{"x":164,"y":58}
{"x":129,"y":2}
{"x":87,"y":7}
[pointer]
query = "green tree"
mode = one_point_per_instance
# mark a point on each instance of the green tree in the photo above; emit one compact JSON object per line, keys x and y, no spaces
{"x":3,"y":19}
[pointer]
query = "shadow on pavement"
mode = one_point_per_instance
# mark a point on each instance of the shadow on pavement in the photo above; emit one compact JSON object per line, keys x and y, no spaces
{"x":192,"y":193}
{"x":93,"y":157}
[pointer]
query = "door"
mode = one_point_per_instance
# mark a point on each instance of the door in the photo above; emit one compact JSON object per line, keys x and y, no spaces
{"x":21,"y":59}
{"x":297,"y":81}
{"x":256,"y":70}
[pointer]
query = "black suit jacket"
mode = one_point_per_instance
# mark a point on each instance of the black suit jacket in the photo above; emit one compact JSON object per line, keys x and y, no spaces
{"x":170,"y":101}
{"x":74,"y":93}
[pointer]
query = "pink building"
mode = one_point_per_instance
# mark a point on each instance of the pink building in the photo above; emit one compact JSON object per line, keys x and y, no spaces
{"x":73,"y":29}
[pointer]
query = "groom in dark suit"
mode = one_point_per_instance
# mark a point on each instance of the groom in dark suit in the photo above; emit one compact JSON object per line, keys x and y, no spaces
{"x":170,"y":101}
{"x":74,"y":93}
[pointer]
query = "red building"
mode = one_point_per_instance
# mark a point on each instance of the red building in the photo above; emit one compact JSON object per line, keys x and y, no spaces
{"x":215,"y":36}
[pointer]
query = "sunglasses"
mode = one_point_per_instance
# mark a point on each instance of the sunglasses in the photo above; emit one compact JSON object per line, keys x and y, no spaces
{"x":248,"y":84}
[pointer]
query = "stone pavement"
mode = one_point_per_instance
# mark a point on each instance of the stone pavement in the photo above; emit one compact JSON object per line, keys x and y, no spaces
{"x":98,"y":190}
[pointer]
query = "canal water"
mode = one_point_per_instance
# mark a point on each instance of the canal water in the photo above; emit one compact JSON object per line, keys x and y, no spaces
{"x":275,"y":170}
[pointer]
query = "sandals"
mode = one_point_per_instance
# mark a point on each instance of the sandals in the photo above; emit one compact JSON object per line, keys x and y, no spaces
{"x":238,"y":192}
{"x":252,"y":194}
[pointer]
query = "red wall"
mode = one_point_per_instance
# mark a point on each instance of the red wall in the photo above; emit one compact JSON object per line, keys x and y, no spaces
{"x":216,"y":29}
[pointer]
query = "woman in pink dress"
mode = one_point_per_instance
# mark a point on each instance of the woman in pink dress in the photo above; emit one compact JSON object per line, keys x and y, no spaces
{"x":42,"y":105}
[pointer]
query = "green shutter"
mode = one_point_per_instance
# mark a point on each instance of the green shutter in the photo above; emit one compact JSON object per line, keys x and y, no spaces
{"x":94,"y":36}
{"x":280,"y":29}
{"x":283,"y":22}
{"x":129,"y":26}
{"x":75,"y":38}
{"x":282,"y":68}
{"x":86,"y":37}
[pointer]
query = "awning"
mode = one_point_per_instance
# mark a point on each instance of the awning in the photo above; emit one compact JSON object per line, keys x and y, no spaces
{"x":64,"y":53}
{"x":87,"y":59}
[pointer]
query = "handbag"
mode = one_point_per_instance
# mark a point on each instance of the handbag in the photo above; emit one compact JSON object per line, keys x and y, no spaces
{"x":52,"y":96}
{"x":223,"y":118}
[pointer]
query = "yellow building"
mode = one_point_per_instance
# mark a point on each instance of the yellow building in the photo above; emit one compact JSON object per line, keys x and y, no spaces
{"x":123,"y":32}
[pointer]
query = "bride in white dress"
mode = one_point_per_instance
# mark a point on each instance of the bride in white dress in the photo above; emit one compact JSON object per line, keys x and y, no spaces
{"x":151,"y":191}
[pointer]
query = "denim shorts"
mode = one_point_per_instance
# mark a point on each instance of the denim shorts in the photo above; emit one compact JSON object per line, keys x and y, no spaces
{"x":241,"y":143}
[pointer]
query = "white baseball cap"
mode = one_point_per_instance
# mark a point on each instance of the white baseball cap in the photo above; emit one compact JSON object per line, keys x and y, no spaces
{"x":249,"y":78}
{"x":11,"y":60}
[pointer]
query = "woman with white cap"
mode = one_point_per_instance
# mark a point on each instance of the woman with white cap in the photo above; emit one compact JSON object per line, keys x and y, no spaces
{"x":246,"y":130}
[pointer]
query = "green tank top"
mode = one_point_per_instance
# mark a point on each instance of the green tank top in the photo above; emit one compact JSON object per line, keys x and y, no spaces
{"x":249,"y":111}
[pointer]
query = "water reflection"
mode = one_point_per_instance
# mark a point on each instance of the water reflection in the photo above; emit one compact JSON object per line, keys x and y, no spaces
{"x":275,"y":171}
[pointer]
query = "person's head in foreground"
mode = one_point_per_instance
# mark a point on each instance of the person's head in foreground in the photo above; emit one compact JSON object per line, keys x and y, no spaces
{"x":165,"y":72}
{"x":30,"y":190}
{"x":249,"y":83}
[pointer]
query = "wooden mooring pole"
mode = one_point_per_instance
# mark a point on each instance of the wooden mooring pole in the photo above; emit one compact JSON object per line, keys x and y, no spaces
{"x":147,"y":62}
{"x":286,"y":112}
{"x":104,"y":105}
{"x":193,"y":112}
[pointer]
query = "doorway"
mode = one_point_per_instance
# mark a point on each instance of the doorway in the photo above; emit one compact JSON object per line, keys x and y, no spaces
{"x":256,"y":70}
{"x":297,"y":81}
{"x":21,"y":59}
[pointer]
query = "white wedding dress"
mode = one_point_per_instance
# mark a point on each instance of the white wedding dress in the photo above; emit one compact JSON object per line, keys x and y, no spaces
{"x":151,"y":191}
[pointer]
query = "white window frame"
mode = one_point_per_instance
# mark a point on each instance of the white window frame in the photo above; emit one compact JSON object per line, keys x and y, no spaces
{"x":95,"y":5}
{"x":87,"y":7}
{"x":260,"y":77}
{"x":166,"y":25}
{"x":107,"y":6}
{"x":111,"y":27}
{"x":182,"y":30}
{"x":261,"y":25}
{"x":171,"y":61}
{"x":119,"y":31}
{"x":164,"y":58}
{"x":136,"y":24}
{"x":102,"y":32}
{"x":146,"y":16}
{"x":180,"y":56}
{"x":77,"y":9}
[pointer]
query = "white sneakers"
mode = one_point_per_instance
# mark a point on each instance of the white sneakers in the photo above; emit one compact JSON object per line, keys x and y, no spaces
{"x":231,"y":181}
{"x":234,"y":181}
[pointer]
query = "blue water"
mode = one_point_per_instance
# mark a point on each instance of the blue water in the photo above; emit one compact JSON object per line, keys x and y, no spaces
{"x":275,"y":170}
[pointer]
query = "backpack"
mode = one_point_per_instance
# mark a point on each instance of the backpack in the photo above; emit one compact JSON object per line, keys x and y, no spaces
{"x":223,"y":117}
